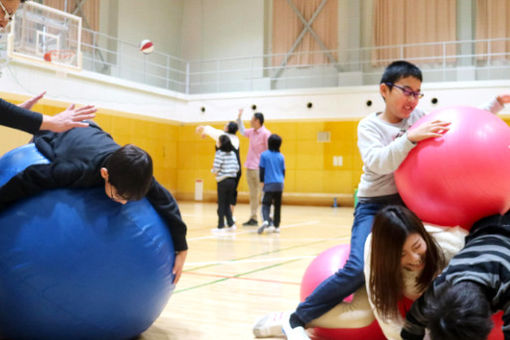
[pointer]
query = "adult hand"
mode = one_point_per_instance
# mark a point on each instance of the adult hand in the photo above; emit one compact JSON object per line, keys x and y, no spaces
{"x":239,"y":115}
{"x":32,"y":101}
{"x":68,"y":119}
{"x":180,"y":258}
{"x":427,"y":130}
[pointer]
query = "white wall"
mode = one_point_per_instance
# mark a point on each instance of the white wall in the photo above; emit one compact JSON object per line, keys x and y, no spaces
{"x":222,"y":28}
{"x":335,"y":103}
{"x":218,"y":29}
{"x":91,"y":88}
{"x":157,"y":20}
{"x":328,"y":103}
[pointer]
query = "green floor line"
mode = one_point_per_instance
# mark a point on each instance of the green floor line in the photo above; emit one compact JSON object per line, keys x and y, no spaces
{"x":252,"y":256}
{"x":234,"y":276}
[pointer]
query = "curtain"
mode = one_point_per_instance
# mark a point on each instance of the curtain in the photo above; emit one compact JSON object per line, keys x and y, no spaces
{"x":402,"y":22}
{"x":493,"y":22}
{"x":287,"y":27}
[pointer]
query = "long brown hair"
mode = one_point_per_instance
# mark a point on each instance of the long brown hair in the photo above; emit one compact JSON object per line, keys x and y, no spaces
{"x":391,"y":227}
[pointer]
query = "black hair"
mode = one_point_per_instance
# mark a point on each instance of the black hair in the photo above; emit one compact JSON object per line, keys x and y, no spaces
{"x":260,"y":117}
{"x":400,"y":69}
{"x":130,"y":172}
{"x":225,"y":144}
{"x":274,"y":142}
{"x":459,"y":312}
{"x":232,"y":128}
{"x":391,"y":227}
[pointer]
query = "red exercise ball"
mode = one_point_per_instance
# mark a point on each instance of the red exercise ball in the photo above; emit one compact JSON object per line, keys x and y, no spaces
{"x":323,"y":266}
{"x":462,"y":176}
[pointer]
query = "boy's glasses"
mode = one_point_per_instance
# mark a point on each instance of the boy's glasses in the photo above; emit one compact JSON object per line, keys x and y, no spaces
{"x":407,"y":91}
{"x":7,"y":16}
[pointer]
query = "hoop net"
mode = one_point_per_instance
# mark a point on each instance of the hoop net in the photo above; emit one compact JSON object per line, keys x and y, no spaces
{"x":65,"y":57}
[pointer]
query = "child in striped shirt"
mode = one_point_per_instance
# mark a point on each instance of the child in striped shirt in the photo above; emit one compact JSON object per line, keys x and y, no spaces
{"x":225,"y":167}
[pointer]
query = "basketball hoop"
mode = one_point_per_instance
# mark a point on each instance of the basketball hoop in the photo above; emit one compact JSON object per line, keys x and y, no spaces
{"x":65,"y":57}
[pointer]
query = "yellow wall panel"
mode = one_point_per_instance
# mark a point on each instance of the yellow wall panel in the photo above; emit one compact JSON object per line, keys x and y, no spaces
{"x":181,"y":156}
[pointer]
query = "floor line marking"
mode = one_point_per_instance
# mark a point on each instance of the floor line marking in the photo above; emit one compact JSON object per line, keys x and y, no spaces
{"x":261,"y":254}
{"x":252,"y":231}
{"x":232,"y":277}
{"x":273,"y":259}
{"x":246,"y":278}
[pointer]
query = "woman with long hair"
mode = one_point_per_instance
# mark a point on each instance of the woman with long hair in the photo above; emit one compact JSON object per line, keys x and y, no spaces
{"x":402,"y":257}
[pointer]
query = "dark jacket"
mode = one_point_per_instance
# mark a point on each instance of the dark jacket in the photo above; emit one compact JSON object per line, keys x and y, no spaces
{"x":76,"y":157}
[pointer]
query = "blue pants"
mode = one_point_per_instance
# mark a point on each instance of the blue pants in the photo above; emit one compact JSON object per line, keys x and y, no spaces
{"x":349,"y":278}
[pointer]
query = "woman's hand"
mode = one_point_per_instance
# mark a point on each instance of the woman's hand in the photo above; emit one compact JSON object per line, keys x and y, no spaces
{"x":32,"y":101}
{"x":68,"y":119}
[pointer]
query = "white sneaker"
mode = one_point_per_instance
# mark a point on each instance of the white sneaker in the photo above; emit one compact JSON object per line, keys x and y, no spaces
{"x":271,"y":229}
{"x":232,"y":228}
{"x":276,"y":230}
{"x":270,"y":325}
{"x":218,"y":231}
{"x":296,"y":333}
{"x":264,"y":225}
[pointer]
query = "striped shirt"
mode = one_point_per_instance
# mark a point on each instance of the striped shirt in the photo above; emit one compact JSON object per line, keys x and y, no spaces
{"x":485,"y":260}
{"x":225,"y":165}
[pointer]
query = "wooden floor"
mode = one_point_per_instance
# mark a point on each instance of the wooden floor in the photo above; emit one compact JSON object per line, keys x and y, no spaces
{"x":230,"y":281}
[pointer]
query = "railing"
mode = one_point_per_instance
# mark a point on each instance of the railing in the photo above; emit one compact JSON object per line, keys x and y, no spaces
{"x":110,"y":56}
{"x":443,"y":61}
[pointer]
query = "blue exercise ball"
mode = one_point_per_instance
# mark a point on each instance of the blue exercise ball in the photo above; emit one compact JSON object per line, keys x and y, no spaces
{"x":76,"y":265}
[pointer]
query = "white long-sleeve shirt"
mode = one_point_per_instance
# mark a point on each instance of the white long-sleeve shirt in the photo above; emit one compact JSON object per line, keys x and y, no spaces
{"x":216,"y":133}
{"x":384,"y":146}
{"x":449,"y":240}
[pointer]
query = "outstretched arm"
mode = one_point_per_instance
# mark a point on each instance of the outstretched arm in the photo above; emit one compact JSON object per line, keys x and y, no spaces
{"x":207,"y":130}
{"x":496,"y":104}
{"x":21,"y":118}
{"x":240,"y":124}
{"x":166,"y":206}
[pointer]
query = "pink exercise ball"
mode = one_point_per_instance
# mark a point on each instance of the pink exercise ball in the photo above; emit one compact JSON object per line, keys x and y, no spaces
{"x":462,"y":176}
{"x":323,"y":266}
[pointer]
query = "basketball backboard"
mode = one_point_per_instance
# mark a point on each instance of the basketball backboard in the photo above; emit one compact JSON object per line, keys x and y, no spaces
{"x":43,"y":34}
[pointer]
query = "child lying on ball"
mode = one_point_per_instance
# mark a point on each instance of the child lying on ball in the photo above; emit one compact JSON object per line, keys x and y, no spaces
{"x":89,"y":157}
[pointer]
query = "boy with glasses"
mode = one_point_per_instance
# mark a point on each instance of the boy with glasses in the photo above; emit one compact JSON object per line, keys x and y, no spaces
{"x":384,"y":142}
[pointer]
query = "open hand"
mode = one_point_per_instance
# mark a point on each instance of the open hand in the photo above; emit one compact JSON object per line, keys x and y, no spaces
{"x":68,"y":119}
{"x":427,"y":130}
{"x":32,"y":101}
